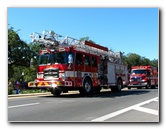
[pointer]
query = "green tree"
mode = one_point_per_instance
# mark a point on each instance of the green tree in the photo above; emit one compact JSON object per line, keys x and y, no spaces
{"x":145,"y":61}
{"x":35,"y":47}
{"x":19,"y":52}
{"x":19,"y":55}
{"x":87,"y":39}
{"x":154,"y":63}
{"x":29,"y":74}
{"x":133,"y":59}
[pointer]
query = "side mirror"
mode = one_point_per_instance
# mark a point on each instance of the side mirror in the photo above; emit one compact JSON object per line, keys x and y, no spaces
{"x":70,"y":59}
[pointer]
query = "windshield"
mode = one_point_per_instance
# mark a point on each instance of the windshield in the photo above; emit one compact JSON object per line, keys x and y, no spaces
{"x":61,"y":58}
{"x":45,"y":59}
{"x":139,"y":71}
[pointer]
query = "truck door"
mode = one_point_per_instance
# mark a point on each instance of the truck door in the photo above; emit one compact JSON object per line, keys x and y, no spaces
{"x":79,"y":65}
{"x":94,"y":66}
{"x":87,"y":64}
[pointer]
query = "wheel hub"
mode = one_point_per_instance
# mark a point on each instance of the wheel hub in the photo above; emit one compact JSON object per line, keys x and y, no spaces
{"x":87,"y":86}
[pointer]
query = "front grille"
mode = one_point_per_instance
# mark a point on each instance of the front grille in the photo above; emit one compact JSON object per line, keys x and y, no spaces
{"x":136,"y":79}
{"x":51,"y":73}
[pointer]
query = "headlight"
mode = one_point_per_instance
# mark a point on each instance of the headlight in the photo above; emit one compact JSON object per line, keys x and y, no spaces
{"x":63,"y":76}
{"x":39,"y":75}
{"x":143,"y":80}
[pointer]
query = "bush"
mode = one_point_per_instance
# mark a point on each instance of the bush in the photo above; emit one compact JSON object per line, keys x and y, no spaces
{"x":32,"y":91}
{"x":28,"y":91}
{"x":10,"y":90}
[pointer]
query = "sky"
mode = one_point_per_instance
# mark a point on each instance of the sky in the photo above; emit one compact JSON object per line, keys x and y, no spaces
{"x":129,"y":30}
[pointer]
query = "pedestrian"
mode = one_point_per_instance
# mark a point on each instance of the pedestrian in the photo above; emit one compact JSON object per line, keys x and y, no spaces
{"x":17,"y":87}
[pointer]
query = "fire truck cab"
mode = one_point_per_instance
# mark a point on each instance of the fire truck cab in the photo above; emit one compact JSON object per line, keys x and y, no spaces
{"x":70,"y":64}
{"x":143,"y":76}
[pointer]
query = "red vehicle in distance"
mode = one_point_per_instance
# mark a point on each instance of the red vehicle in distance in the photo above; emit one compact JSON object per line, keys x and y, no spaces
{"x":143,"y":76}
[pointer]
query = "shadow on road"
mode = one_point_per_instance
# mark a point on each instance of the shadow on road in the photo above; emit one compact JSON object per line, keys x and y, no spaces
{"x":106,"y":94}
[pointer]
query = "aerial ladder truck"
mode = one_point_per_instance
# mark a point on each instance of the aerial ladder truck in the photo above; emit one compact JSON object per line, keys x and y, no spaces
{"x":67,"y":64}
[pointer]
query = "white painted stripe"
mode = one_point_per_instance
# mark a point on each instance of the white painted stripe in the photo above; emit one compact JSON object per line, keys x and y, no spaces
{"x":23,"y":105}
{"x":147,"y":110}
{"x":156,"y":100}
{"x":108,"y":116}
{"x":70,"y":73}
{"x":74,"y":74}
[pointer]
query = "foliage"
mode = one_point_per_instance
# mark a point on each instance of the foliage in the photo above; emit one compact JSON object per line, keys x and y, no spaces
{"x":87,"y":39}
{"x":10,"y":90}
{"x":33,"y":91}
{"x":29,"y":74}
{"x":133,"y":59}
{"x":19,"y":56}
{"x":19,"y":52}
{"x":154,"y":63}
{"x":36,"y":49}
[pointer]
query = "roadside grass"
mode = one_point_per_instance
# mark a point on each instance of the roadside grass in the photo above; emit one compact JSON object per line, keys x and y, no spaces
{"x":26,"y":91}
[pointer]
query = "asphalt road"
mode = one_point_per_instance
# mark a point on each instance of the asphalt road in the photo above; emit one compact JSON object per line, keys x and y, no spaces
{"x":135,"y":105}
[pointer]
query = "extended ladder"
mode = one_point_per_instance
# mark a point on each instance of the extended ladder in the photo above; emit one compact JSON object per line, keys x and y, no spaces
{"x":51,"y":40}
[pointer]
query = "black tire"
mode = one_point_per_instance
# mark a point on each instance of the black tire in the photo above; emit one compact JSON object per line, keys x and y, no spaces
{"x":119,"y":86}
{"x":87,"y":87}
{"x":129,"y":87}
{"x":56,"y":91}
{"x":154,"y":86}
{"x":148,"y":86}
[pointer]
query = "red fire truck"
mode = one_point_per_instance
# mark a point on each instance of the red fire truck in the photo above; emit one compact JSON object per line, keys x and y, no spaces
{"x":68,"y":64}
{"x":143,"y":76}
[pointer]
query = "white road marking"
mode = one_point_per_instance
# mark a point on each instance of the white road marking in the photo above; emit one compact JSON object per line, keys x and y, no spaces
{"x":146,"y":110}
{"x":156,"y":100}
{"x":108,"y":116}
{"x":23,"y":105}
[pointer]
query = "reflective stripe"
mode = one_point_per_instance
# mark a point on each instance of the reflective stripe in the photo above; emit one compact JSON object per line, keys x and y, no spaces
{"x":43,"y":84}
{"x":58,"y":83}
{"x":80,"y":74}
{"x":39,"y":84}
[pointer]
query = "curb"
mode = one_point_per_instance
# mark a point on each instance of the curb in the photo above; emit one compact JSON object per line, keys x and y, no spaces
{"x":46,"y":93}
{"x":32,"y":94}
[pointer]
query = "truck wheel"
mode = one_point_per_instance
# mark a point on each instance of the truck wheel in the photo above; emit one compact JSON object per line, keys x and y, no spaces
{"x":117,"y":88}
{"x":56,"y":91}
{"x":87,"y":87}
{"x":129,"y":87}
{"x":148,"y":86}
{"x":119,"y":85}
{"x":154,"y":86}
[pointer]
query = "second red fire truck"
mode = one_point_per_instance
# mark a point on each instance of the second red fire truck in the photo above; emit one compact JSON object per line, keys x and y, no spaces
{"x":68,"y":64}
{"x":143,"y":76}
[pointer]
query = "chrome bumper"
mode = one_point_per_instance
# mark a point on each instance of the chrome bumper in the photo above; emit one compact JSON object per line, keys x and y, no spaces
{"x":138,"y":85}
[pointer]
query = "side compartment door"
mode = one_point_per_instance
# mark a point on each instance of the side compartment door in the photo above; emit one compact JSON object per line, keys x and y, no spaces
{"x":111,"y":73}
